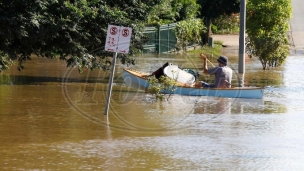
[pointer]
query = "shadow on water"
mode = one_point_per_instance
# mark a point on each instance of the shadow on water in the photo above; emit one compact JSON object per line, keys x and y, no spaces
{"x":32,"y":80}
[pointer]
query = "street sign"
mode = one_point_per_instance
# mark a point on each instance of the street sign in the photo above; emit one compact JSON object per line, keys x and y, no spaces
{"x":118,"y":39}
{"x":112,"y":38}
{"x":124,"y":40}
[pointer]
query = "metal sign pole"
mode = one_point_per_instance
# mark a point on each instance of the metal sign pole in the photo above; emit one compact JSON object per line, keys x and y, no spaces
{"x":110,"y":83}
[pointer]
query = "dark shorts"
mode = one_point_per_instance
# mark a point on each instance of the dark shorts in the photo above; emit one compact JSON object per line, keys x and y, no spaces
{"x":206,"y":85}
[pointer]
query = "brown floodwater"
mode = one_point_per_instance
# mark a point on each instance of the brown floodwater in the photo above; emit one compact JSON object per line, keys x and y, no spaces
{"x":52,"y":118}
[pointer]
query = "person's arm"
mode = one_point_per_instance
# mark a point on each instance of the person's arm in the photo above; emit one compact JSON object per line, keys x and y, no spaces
{"x":205,"y":67}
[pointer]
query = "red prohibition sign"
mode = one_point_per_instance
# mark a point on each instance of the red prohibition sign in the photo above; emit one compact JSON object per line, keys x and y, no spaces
{"x":125,"y":32}
{"x":113,"y":30}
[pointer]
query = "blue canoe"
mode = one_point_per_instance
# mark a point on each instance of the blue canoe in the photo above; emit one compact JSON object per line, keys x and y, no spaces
{"x":138,"y":80}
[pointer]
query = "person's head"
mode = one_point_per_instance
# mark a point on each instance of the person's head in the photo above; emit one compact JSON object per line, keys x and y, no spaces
{"x":223,"y":60}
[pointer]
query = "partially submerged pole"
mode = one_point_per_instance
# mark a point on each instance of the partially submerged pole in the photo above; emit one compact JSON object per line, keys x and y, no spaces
{"x":110,"y":83}
{"x":242,"y":43}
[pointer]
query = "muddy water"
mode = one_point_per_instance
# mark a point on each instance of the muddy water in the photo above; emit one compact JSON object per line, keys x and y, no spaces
{"x":51,"y":118}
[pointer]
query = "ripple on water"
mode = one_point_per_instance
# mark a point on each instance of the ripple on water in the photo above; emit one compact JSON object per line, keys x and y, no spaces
{"x":290,"y":98}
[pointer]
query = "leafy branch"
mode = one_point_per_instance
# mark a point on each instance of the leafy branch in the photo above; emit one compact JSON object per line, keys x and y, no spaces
{"x":159,"y":88}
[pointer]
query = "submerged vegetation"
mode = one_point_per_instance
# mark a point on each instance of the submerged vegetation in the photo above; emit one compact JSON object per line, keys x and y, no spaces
{"x":158,"y":87}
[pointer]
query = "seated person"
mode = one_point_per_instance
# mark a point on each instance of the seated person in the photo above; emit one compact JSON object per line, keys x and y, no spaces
{"x":223,"y":74}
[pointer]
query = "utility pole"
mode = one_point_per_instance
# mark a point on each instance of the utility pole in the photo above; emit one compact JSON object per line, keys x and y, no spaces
{"x":242,"y":43}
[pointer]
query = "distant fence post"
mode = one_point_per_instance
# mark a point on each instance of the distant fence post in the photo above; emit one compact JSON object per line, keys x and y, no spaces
{"x":210,"y":41}
{"x":159,"y":50}
{"x":168,"y":42}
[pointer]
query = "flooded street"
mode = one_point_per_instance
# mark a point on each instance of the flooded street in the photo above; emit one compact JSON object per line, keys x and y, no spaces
{"x":52,"y":118}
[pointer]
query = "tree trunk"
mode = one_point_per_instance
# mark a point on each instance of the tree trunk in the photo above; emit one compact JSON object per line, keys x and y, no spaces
{"x":208,"y":33}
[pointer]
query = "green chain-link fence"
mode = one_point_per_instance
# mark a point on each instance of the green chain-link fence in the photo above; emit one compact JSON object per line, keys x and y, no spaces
{"x":151,"y":35}
{"x":161,"y":39}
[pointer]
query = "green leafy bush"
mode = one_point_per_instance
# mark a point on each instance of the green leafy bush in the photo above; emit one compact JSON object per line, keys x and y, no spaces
{"x":161,"y":86}
{"x":189,"y":32}
{"x":226,"y":24}
{"x":4,"y":61}
{"x":267,"y":23}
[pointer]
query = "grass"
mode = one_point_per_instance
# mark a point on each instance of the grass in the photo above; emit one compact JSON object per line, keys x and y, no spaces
{"x":209,"y":51}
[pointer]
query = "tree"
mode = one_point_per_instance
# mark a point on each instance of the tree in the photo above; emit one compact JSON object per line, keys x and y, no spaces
{"x":188,"y":9}
{"x":267,"y":26}
{"x":212,"y":9}
{"x":74,"y":30}
{"x":170,"y":11}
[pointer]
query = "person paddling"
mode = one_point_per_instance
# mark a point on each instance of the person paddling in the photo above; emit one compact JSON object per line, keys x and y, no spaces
{"x":223,"y":74}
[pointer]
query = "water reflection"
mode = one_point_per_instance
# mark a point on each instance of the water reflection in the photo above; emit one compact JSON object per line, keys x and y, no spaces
{"x":52,"y":118}
{"x":262,"y":78}
{"x":222,"y":106}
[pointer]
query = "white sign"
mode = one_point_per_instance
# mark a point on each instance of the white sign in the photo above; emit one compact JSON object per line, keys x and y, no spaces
{"x":112,"y":38}
{"x":118,"y":39}
{"x":124,"y":40}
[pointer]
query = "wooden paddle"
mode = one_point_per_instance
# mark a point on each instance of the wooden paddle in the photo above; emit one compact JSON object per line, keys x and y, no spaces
{"x":210,"y":63}
{"x":208,"y":60}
